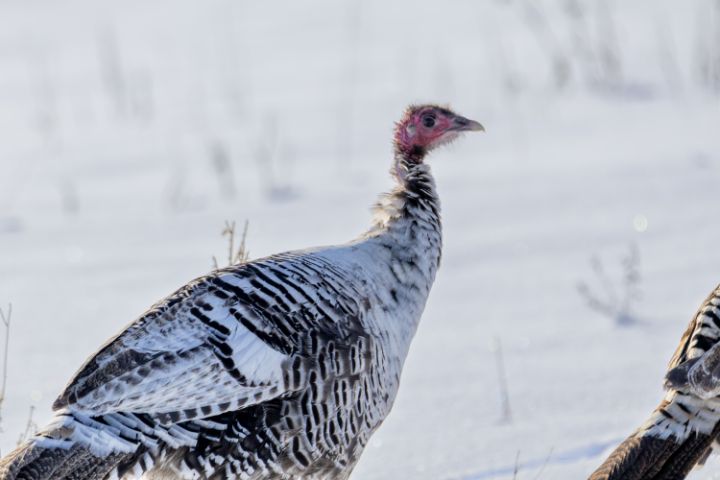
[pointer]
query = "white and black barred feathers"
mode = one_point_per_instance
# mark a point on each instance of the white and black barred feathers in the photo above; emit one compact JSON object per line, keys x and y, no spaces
{"x":282,"y":367}
{"x":682,"y":430}
{"x":279,"y":367}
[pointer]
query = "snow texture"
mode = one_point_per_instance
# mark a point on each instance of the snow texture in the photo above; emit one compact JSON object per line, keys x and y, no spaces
{"x":131,"y":131}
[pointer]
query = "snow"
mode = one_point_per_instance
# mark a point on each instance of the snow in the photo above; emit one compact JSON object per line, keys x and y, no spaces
{"x":122,"y":124}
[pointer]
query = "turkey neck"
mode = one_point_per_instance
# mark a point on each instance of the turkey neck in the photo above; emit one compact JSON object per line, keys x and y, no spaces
{"x":407,"y":222}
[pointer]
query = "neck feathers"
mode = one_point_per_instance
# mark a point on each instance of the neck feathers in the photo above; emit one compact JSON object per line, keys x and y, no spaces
{"x":413,"y":204}
{"x":406,"y":239}
{"x":407,"y":155}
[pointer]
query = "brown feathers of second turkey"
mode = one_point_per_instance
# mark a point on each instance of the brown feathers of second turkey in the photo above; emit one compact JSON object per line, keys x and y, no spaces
{"x":682,"y":430}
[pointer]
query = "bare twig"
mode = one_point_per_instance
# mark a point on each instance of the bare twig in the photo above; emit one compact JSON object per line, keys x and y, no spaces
{"x":631,"y":277}
{"x":609,"y":51}
{"x":5,"y":317}
{"x":241,"y":255}
{"x":582,"y":45}
{"x":536,"y":19}
{"x":30,"y":427}
{"x":542,"y":468}
{"x":604,"y":279}
{"x":616,"y":303}
{"x":112,"y":70}
{"x":707,"y":51}
{"x":229,"y":231}
{"x":502,"y":381}
{"x":593,"y":302}
{"x":667,"y":54}
{"x":222,"y":165}
{"x":516,"y":468}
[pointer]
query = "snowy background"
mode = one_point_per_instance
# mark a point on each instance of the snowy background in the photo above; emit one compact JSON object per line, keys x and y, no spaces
{"x":131,"y":131}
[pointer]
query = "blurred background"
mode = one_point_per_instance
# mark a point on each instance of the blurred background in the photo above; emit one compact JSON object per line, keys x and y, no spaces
{"x":581,"y":231}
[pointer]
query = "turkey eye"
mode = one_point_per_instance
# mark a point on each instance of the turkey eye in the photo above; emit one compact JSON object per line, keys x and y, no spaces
{"x":428,"y":121}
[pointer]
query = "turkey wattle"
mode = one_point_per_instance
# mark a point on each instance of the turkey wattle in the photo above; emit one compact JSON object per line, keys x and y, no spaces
{"x":281,"y":367}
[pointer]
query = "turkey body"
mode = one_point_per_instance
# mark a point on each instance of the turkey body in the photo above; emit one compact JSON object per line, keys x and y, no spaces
{"x":684,"y":428}
{"x":281,"y":367}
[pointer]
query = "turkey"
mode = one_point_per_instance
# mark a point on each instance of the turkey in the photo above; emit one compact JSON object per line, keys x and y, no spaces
{"x":682,"y":430}
{"x":281,"y":367}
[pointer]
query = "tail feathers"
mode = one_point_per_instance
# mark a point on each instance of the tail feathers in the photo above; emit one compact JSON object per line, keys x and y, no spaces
{"x":650,"y":458}
{"x":677,"y":437}
{"x":32,"y":461}
{"x":113,"y":446}
{"x":71,"y":450}
{"x":636,"y":458}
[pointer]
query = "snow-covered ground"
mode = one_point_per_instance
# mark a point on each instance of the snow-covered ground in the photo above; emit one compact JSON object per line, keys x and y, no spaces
{"x":130,"y":131}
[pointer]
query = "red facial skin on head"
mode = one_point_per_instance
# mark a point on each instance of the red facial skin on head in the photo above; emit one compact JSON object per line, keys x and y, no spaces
{"x":411,"y":132}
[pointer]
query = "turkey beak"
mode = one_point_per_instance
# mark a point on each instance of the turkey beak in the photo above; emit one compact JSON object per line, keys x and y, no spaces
{"x":462,"y":124}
